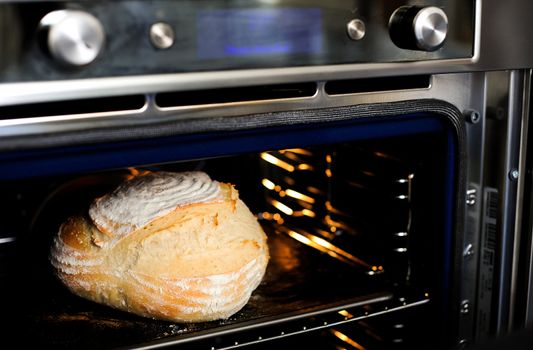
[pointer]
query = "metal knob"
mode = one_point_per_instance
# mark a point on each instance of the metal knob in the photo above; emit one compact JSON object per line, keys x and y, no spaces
{"x":73,"y":37}
{"x":162,"y":35}
{"x":356,"y":29}
{"x":418,"y":28}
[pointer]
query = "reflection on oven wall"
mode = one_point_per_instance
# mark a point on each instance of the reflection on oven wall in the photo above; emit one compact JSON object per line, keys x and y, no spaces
{"x":323,"y":197}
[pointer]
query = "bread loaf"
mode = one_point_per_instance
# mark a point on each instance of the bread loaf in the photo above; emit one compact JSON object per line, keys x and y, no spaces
{"x":173,"y":246}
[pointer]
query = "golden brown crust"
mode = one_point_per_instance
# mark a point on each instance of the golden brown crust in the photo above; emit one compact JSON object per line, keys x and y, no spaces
{"x":200,"y":262}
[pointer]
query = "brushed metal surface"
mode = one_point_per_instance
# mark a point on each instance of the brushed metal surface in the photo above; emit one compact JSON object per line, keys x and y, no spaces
{"x":162,"y":35}
{"x":457,"y":89}
{"x":356,"y":29}
{"x":509,"y":234}
{"x":74,"y":38}
{"x":430,"y":27}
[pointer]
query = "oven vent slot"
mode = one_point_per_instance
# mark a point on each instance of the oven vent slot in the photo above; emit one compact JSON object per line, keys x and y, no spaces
{"x":68,"y":107}
{"x":353,"y":86}
{"x":240,"y":94}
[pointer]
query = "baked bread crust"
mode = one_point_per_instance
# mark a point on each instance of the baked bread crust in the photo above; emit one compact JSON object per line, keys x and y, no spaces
{"x":198,"y":262}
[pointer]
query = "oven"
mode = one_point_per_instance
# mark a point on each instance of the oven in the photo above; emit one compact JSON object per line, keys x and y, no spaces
{"x":381,"y":145}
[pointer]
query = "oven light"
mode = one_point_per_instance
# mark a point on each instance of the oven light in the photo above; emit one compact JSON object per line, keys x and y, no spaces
{"x":347,"y":339}
{"x":268,"y":184}
{"x":334,"y":210}
{"x":299,"y":151}
{"x":332,"y":250}
{"x":277,"y":162}
{"x":309,"y":213}
{"x":300,"y":238}
{"x":312,"y":244}
{"x":337,"y":250}
{"x":300,"y":196}
{"x":331,"y":222}
{"x":401,"y":234}
{"x":304,"y":212}
{"x":291,"y":193}
{"x":134,"y":172}
{"x":305,"y":167}
{"x":265,"y":215}
{"x":307,"y":241}
{"x":314,"y":190}
{"x":7,"y":240}
{"x":268,"y":216}
{"x":295,"y":157}
{"x":306,"y":205}
{"x":325,"y":233}
{"x":291,"y":156}
{"x":279,"y":220}
{"x":345,"y":313}
{"x":375,"y":269}
{"x":282,"y":207}
{"x":337,"y":225}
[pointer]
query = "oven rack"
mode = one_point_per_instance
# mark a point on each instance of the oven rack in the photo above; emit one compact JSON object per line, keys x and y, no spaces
{"x":302,"y":289}
{"x":287,"y":327}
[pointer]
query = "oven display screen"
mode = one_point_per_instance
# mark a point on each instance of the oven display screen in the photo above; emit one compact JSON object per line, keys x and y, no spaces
{"x":257,"y":32}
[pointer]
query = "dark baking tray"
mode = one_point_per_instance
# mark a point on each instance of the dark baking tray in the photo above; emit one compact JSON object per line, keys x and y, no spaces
{"x":299,"y":282}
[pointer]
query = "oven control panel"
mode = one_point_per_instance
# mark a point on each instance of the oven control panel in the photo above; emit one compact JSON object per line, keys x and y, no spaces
{"x":86,"y":39}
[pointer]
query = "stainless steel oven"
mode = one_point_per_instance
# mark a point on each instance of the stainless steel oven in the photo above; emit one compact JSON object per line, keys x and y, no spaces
{"x":382,"y":146}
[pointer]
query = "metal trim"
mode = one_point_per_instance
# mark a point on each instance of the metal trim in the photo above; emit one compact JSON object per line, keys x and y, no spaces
{"x":24,"y":129}
{"x":32,"y":92}
{"x":327,"y":325}
{"x":524,"y":127}
{"x":509,"y":237}
{"x":19,"y":93}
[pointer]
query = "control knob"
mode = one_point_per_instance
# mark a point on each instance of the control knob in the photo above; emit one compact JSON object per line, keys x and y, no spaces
{"x":72,"y":37}
{"x":418,"y":28}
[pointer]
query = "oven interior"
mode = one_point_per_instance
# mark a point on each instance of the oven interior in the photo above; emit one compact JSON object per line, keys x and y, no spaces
{"x":359,"y":216}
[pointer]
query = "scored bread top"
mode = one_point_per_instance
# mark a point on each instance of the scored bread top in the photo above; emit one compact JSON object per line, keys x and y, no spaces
{"x":203,"y":240}
{"x":198,"y":240}
{"x":136,"y":203}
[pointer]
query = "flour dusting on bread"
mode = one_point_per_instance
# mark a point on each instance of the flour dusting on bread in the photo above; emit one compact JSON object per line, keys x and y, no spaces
{"x":139,"y":201}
